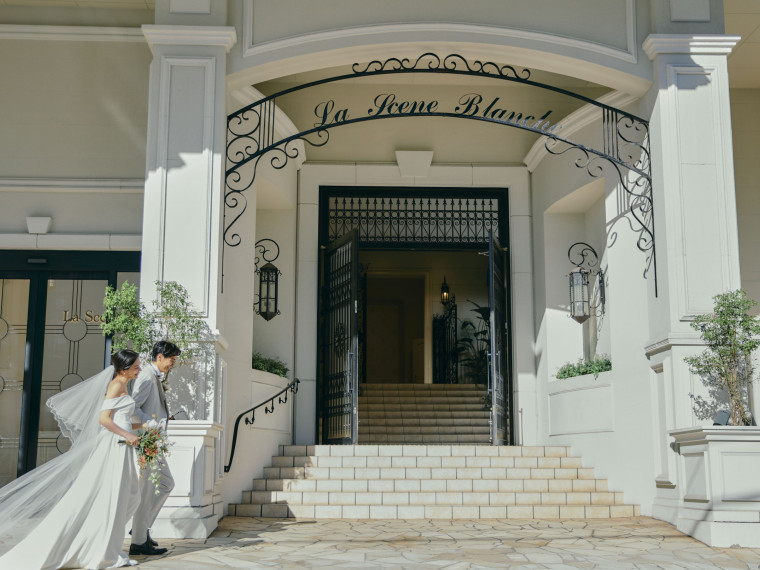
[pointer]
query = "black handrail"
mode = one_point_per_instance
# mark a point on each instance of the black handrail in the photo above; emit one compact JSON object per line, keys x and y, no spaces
{"x":293,"y":387}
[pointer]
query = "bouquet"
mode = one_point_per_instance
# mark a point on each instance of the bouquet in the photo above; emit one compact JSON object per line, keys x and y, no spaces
{"x":151,"y":450}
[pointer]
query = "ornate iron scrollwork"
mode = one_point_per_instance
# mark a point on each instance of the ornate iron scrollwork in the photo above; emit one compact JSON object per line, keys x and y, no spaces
{"x":625,"y":148}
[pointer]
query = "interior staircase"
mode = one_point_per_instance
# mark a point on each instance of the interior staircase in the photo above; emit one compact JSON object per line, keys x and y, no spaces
{"x":423,"y":414}
{"x":429,"y":482}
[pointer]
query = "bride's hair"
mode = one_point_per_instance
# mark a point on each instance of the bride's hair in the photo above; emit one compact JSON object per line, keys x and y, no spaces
{"x":123,"y":360}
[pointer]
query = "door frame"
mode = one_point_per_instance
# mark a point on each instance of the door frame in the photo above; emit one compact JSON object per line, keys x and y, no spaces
{"x":516,"y":179}
{"x":38,"y":266}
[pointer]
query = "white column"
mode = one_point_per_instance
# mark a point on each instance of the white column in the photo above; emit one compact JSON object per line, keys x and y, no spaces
{"x":182,"y":242}
{"x":695,"y":225}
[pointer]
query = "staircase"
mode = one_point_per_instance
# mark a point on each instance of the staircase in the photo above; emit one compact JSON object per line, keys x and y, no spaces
{"x":429,"y":482}
{"x":423,"y":414}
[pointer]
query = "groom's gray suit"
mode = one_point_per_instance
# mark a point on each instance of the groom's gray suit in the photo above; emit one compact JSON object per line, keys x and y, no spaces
{"x":150,"y":403}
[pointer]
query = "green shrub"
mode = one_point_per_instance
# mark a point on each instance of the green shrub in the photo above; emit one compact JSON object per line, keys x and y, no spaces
{"x":273,"y":365}
{"x":601,"y":363}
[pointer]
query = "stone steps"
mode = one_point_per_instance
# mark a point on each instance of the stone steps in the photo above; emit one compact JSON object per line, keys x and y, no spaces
{"x":429,"y":481}
{"x":423,"y":414}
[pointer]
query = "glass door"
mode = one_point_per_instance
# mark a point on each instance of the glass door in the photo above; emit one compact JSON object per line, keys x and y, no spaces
{"x":14,"y":306}
{"x":73,"y":351}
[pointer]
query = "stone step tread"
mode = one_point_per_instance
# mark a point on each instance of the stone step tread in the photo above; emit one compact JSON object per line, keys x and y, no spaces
{"x":432,"y":387}
{"x":426,"y":407}
{"x":434,"y":512}
{"x":390,"y":439}
{"x":429,"y":498}
{"x":415,"y":421}
{"x":431,"y":462}
{"x":424,"y":450}
{"x":425,"y":473}
{"x":418,"y":415}
{"x":443,"y":485}
{"x":369,"y":428}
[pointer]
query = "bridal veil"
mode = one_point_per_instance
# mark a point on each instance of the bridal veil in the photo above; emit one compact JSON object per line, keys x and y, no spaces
{"x":27,"y":500}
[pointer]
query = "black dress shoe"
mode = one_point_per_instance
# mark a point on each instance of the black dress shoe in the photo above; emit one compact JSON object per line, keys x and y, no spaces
{"x":150,"y":540}
{"x":145,"y":549}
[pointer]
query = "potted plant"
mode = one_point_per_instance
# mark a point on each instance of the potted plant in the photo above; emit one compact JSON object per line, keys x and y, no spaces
{"x":725,"y":367}
{"x":716,"y":485}
{"x":475,"y":345}
{"x":172,"y":317}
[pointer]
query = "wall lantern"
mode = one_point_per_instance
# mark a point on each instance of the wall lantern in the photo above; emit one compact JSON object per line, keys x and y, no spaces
{"x":445,"y":293}
{"x":581,"y":277}
{"x":266,"y":305}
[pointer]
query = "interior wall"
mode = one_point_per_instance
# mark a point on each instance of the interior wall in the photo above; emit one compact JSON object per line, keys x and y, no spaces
{"x":395,"y":328}
{"x":465,"y":272}
{"x":745,"y":125}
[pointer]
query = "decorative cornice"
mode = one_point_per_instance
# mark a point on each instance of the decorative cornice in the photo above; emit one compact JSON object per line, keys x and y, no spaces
{"x":70,"y":33}
{"x":221,"y":36}
{"x":86,"y":242}
{"x":673,"y":339}
{"x":702,"y":434}
{"x":74,"y":185}
{"x":656,"y":44}
{"x":575,"y":121}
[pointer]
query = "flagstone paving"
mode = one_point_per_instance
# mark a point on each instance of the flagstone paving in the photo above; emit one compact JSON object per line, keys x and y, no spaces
{"x":637,"y":542}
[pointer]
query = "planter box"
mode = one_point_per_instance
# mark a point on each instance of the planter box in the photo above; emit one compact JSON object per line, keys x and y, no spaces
{"x":571,"y":399}
{"x":719,"y":484}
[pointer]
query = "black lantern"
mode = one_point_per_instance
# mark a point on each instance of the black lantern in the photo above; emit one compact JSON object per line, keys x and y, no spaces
{"x":586,"y":262}
{"x":445,"y":293}
{"x":266,"y":306}
{"x":579,"y":303}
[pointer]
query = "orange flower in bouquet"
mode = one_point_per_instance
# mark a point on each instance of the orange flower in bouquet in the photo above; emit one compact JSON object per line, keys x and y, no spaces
{"x":151,"y":450}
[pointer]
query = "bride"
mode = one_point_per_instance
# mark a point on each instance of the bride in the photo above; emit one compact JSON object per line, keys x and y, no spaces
{"x":72,"y":511}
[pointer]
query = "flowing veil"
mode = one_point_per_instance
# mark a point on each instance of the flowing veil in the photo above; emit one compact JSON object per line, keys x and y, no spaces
{"x":27,"y":500}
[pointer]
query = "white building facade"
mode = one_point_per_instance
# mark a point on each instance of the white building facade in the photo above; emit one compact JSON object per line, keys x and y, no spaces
{"x":176,"y":140}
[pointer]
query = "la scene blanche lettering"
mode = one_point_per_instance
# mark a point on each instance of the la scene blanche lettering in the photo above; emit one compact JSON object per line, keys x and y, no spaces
{"x":469,"y":105}
{"x":89,"y":317}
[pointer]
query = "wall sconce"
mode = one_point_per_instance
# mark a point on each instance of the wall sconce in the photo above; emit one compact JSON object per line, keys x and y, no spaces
{"x":266,"y":305}
{"x":445,"y":293}
{"x":586,"y":262}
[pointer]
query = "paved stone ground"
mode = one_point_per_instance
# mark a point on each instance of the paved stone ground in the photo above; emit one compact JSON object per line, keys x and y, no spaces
{"x":638,"y":542}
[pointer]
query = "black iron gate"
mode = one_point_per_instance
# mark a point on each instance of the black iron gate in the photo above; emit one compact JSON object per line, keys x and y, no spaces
{"x":445,"y":353}
{"x":499,"y":386}
{"x":340,"y":342}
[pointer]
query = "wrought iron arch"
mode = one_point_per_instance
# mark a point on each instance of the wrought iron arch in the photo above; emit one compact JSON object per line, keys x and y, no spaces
{"x":625,"y":147}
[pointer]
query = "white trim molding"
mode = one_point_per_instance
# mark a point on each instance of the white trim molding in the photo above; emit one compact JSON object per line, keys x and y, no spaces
{"x":213,"y":36}
{"x":74,"y":185}
{"x":79,"y":242}
{"x":70,"y":33}
{"x":250,"y":49}
{"x":576,"y":121}
{"x":555,"y":53}
{"x":656,"y":44}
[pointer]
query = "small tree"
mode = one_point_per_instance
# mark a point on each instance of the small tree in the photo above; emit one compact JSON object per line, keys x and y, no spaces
{"x":731,"y":335}
{"x":172,"y":318}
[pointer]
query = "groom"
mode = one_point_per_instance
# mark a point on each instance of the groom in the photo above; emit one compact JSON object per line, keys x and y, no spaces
{"x":150,"y":403}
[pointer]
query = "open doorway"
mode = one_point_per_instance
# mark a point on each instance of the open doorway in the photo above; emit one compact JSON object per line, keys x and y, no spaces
{"x":395,"y":333}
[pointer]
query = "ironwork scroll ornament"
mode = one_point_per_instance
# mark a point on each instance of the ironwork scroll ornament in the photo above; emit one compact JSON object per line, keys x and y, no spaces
{"x":625,"y":148}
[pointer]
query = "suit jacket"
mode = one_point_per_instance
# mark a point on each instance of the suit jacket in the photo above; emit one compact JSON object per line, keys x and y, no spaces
{"x":150,"y":401}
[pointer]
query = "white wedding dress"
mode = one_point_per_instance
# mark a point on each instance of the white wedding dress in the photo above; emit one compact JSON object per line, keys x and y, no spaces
{"x":85,"y":529}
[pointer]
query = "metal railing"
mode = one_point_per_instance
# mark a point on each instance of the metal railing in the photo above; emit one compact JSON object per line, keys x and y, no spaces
{"x":268,"y":409}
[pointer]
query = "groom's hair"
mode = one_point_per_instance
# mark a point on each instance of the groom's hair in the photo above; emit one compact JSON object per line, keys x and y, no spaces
{"x":168,"y":349}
